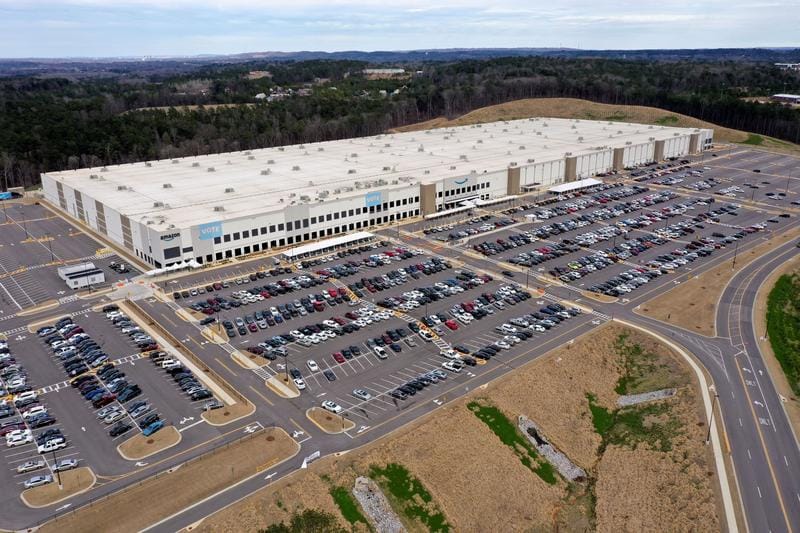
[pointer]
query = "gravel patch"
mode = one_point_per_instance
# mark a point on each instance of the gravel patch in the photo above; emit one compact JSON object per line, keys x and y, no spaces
{"x":376,"y":506}
{"x":635,"y":399}
{"x":565,"y":467}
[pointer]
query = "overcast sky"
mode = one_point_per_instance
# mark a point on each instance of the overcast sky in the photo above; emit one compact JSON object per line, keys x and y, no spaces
{"x":93,"y":28}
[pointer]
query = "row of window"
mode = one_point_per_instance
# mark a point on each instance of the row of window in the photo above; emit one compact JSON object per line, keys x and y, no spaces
{"x":462,"y":190}
{"x":283,"y":241}
{"x":292,"y":240}
{"x":305,"y":223}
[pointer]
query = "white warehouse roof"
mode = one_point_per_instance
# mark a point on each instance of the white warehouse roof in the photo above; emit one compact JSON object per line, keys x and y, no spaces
{"x":186,"y":191}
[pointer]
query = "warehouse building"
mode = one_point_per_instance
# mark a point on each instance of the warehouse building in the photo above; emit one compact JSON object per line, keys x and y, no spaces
{"x":213,"y":207}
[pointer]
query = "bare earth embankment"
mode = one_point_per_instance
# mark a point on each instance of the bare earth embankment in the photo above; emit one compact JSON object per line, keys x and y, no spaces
{"x":467,"y":468}
{"x":584,"y":109}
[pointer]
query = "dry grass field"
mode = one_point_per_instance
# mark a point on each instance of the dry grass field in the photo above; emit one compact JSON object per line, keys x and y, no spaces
{"x":648,"y":466}
{"x":584,"y":109}
{"x":155,"y":498}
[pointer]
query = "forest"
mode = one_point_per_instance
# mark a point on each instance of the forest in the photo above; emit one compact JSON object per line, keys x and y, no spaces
{"x":50,"y":123}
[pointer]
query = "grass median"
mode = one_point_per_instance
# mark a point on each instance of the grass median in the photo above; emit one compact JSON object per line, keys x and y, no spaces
{"x":783,"y":326}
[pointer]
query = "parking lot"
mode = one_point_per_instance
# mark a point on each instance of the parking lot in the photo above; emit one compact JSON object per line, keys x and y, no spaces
{"x":80,"y":428}
{"x":626,"y":236}
{"x":34,"y":243}
{"x":332,"y":368}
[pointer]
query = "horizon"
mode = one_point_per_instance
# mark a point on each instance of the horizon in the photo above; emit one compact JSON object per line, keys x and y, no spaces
{"x":58,"y":29}
{"x":275,"y":53}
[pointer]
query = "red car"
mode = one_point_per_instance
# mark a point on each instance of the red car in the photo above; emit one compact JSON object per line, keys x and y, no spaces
{"x":451,"y":324}
{"x":252,"y":327}
{"x":338,"y":357}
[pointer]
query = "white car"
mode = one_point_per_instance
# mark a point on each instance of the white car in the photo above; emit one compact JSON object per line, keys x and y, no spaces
{"x":380,"y":352}
{"x":52,"y":445}
{"x":449,"y":354}
{"x":361,"y":394}
{"x":312,"y":365}
{"x":23,"y":396}
{"x":65,"y":464}
{"x":452,"y":366}
{"x":37,"y":481}
{"x":425,"y":335}
{"x":33,"y":411}
{"x":299,"y":383}
{"x":333,"y":407}
{"x":30,"y":466}
{"x":18,"y":437}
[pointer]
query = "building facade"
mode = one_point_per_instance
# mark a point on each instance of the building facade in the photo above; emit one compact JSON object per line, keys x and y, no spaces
{"x":215,"y":207}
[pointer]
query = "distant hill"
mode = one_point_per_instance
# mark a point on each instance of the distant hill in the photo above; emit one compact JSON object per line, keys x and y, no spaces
{"x":111,"y":66}
{"x":584,"y":109}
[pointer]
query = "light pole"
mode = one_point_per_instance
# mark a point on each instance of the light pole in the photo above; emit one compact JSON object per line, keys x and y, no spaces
{"x":711,"y":417}
{"x":50,"y":246}
{"x":735,"y":253}
{"x":25,"y":225}
{"x":58,"y":471}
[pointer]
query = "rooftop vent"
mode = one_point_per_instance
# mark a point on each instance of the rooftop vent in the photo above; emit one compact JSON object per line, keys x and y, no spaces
{"x":210,"y":169}
{"x":521,"y":146}
{"x":270,"y":161}
{"x":175,"y":161}
{"x":531,"y":160}
{"x":354,"y":154}
{"x":248,"y":153}
{"x":628,"y":143}
{"x":568,"y":154}
{"x":580,"y":139}
{"x":266,"y":172}
{"x":512,"y":164}
{"x":420,"y":148}
{"x":122,"y":187}
{"x":462,"y":157}
{"x":387,"y":169}
{"x":296,"y":167}
{"x":148,"y":164}
{"x":320,"y":149}
{"x":103,"y":169}
{"x":452,"y":167}
{"x":195,"y":164}
{"x":480,"y":141}
{"x":281,"y":148}
{"x":93,"y":176}
{"x":166,"y":186}
{"x":387,"y":145}
{"x":219,"y":208}
{"x":229,"y":190}
{"x":251,"y":157}
{"x":158,"y":204}
{"x":351,"y":171}
{"x":427,"y":172}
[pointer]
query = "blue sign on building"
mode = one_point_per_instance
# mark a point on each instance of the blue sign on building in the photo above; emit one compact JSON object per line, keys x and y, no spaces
{"x":5,"y":196}
{"x":210,"y":230}
{"x":372,"y":199}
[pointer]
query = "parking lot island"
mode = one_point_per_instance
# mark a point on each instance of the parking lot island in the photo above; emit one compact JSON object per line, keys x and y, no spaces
{"x":329,"y":422}
{"x":139,"y":446}
{"x":285,"y":388}
{"x":73,"y":482}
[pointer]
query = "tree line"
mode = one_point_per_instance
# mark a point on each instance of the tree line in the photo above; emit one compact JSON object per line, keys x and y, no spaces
{"x":49,"y":124}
